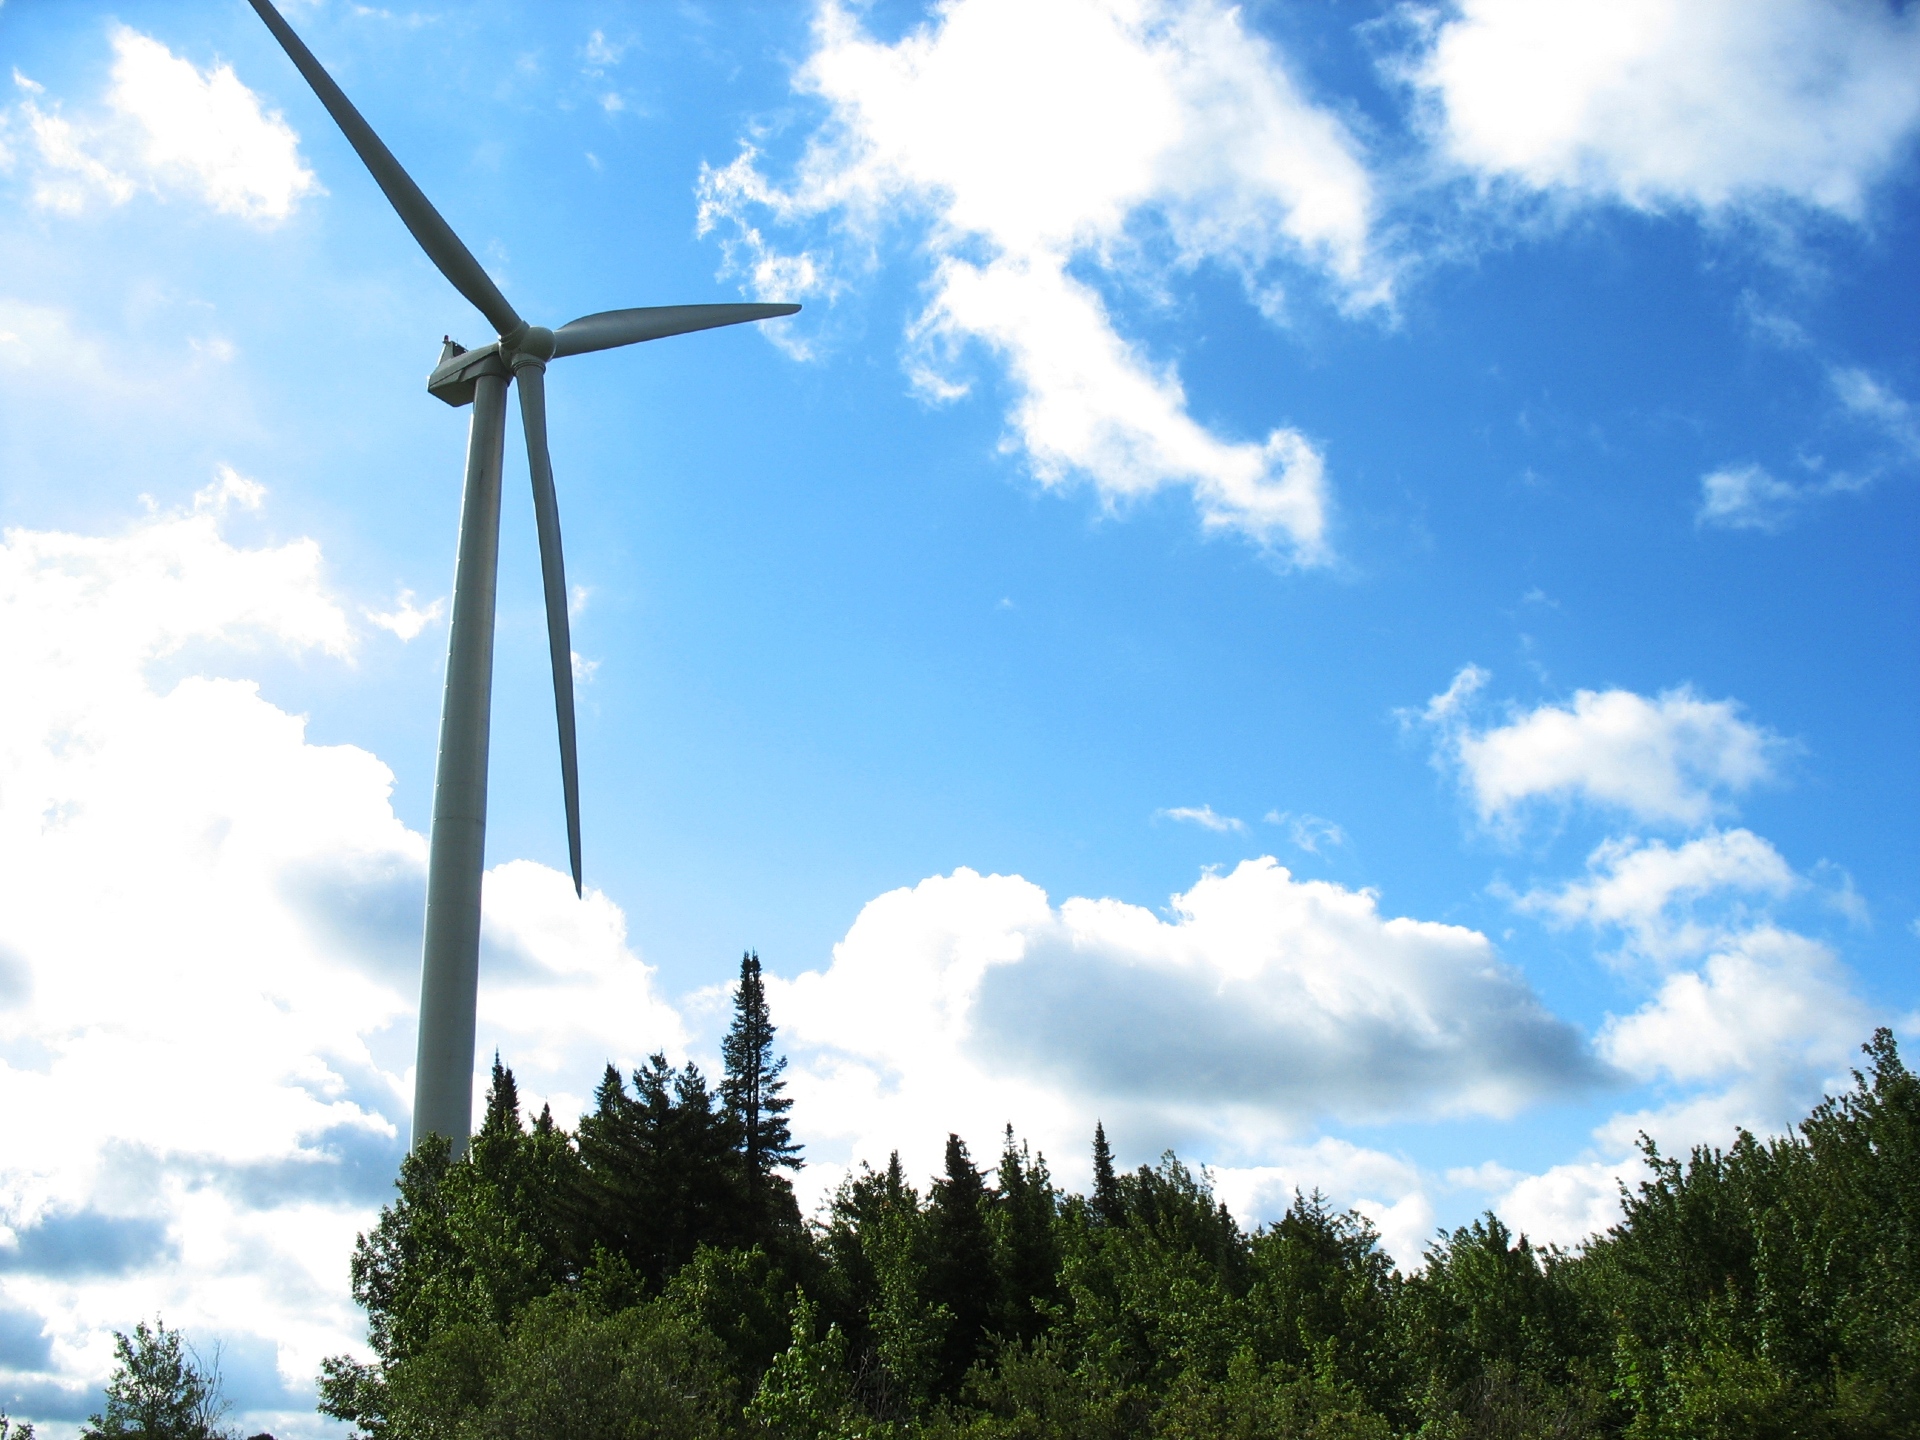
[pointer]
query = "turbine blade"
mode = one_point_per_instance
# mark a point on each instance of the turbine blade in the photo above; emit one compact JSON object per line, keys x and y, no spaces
{"x":436,"y":237}
{"x":611,"y":328}
{"x":546,"y":516}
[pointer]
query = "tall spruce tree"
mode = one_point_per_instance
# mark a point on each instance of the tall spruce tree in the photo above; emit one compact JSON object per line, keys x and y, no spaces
{"x":960,"y":1268}
{"x":1107,"y":1203}
{"x":1026,"y":1249}
{"x":751,"y":1087}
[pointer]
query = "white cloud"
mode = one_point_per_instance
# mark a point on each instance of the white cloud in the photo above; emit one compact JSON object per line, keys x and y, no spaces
{"x":209,"y":130}
{"x":169,"y":127}
{"x":1650,"y":892}
{"x":1662,"y":103}
{"x":406,"y":619}
{"x":1751,"y":1039}
{"x":1263,"y":1002}
{"x":1675,"y":759}
{"x":1118,"y":139}
{"x":210,"y":955}
{"x":1205,"y":817}
{"x":1307,"y":832}
{"x":229,"y":487}
{"x":1746,"y":497}
{"x":1772,"y":1004}
{"x":40,"y":341}
{"x":1567,"y":1203}
{"x":1869,"y":399}
{"x":1450,"y":703}
{"x":1388,"y":1189}
{"x":68,"y":175}
{"x":601,"y":53}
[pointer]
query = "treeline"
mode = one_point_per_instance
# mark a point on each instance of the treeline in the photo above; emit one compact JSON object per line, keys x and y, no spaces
{"x":649,"y":1275}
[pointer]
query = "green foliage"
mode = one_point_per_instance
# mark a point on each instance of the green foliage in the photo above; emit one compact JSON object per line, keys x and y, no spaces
{"x":1042,"y":1390}
{"x":743,"y":1300}
{"x":647,"y":1372}
{"x":159,"y":1390}
{"x":633,"y":1279}
{"x":11,"y":1429}
{"x":1489,"y":1303}
{"x":1325,"y":1294}
{"x":1158,"y":1295}
{"x":1274,"y":1402}
{"x":806,"y":1393}
{"x":1775,"y":1288}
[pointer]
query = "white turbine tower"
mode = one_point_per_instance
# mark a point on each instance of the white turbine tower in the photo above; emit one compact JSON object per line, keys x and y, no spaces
{"x":450,"y":953}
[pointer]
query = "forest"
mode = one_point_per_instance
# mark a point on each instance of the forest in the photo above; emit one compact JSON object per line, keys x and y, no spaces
{"x":649,"y":1274}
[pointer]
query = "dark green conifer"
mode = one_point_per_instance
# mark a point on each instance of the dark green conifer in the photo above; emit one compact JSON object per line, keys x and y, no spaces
{"x":1026,"y":1251}
{"x":752,"y":1086}
{"x":660,"y":1171}
{"x":960,"y":1270}
{"x":1107,"y":1203}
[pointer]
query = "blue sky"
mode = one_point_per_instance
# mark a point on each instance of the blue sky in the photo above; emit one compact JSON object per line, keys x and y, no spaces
{"x":1329,"y":585}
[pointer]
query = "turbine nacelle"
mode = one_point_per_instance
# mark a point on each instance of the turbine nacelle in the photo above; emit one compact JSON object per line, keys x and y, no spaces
{"x":460,"y":369}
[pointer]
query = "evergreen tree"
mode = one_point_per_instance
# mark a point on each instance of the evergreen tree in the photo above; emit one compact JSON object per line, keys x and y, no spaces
{"x":660,"y":1171}
{"x":960,"y":1270}
{"x":1026,"y":1251}
{"x":752,"y":1085}
{"x":1106,"y":1186}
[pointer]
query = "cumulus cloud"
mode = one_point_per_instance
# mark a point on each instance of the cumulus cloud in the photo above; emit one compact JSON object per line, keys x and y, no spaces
{"x":167,"y":127}
{"x":1566,"y":1203}
{"x":1673,"y":759}
{"x":1652,"y":893}
{"x":1751,"y":1039}
{"x":209,"y":957}
{"x":1258,"y":1004}
{"x":1662,"y":103}
{"x":1773,"y":1004}
{"x":1047,"y":146}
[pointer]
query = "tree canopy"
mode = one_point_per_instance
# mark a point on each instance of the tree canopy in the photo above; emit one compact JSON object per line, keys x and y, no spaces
{"x":644,"y":1275}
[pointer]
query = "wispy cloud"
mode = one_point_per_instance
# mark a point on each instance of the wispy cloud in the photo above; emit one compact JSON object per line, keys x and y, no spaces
{"x":1307,"y":832}
{"x":1204,"y":816}
{"x":1747,"y":497}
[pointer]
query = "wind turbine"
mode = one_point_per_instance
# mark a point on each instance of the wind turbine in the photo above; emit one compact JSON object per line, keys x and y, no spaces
{"x":456,"y":846}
